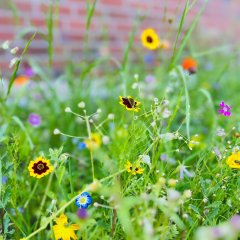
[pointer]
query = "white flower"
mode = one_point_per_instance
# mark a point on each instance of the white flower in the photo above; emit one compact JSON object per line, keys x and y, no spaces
{"x":105,"y":140}
{"x":110,"y":116}
{"x":145,"y":159}
{"x":13,"y":62}
{"x":220,"y":132}
{"x":56,"y":131}
{"x":168,"y":136}
{"x":68,"y":109}
{"x":166,"y":113}
{"x":5,"y":45}
{"x":81,"y":105}
{"x":14,"y":50}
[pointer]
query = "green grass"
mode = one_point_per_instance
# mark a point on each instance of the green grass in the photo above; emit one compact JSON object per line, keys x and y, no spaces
{"x":151,"y":205}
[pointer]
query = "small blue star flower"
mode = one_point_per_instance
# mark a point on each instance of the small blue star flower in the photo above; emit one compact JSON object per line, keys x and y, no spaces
{"x":83,"y":200}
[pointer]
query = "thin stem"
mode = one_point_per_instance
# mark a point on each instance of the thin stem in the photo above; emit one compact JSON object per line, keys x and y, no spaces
{"x":45,"y":194}
{"x":89,"y":136}
{"x":32,"y":193}
{"x":65,"y":206}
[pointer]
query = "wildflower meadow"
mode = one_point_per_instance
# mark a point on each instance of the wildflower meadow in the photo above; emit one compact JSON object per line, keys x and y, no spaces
{"x":131,"y":148}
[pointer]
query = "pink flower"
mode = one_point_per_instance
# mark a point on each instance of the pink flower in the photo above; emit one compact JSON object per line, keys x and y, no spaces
{"x":225,"y":109}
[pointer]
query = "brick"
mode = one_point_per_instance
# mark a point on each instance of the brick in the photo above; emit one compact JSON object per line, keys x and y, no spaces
{"x":23,"y":6}
{"x":111,"y":2}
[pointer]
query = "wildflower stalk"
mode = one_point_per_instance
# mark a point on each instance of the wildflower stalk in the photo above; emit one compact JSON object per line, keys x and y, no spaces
{"x":89,"y":135}
{"x":45,"y":194}
{"x":31,"y":195}
{"x":54,"y":215}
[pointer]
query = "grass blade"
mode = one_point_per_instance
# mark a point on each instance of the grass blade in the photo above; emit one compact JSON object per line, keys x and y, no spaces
{"x":183,"y":77}
{"x":18,"y":64}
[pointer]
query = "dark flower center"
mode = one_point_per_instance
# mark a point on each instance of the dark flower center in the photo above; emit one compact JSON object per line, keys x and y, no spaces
{"x":130,"y":168}
{"x":129,"y":102}
{"x":149,"y":39}
{"x":237,"y":162}
{"x":136,"y":169}
{"x":40,"y":167}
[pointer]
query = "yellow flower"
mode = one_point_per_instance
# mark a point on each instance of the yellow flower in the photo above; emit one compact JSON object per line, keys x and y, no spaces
{"x":129,"y":103}
{"x":94,"y":141}
{"x":233,"y":161}
{"x":150,"y":39}
{"x":62,"y":230}
{"x":40,"y":167}
{"x":133,"y":169}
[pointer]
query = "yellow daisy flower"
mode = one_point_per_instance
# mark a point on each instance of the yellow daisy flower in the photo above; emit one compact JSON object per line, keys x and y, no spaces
{"x":94,"y":142}
{"x":133,"y":169}
{"x":150,"y":39}
{"x":129,"y":103}
{"x":40,"y":167}
{"x":62,"y":230}
{"x":233,"y":161}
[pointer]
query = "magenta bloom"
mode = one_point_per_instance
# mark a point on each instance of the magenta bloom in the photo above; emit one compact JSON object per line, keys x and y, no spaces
{"x":34,"y":119}
{"x":29,"y":72}
{"x":225,"y":109}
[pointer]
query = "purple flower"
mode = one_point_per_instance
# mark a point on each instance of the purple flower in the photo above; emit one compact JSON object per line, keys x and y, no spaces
{"x":34,"y":119}
{"x":29,"y":72}
{"x":149,"y":59}
{"x":225,"y":109}
{"x":150,"y":79}
{"x":235,"y":222}
{"x":82,"y":213}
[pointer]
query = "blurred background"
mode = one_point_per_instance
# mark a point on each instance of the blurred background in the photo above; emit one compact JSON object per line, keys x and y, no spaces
{"x":111,"y":25}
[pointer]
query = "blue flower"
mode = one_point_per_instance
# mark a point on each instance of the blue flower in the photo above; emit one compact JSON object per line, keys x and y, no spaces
{"x":4,"y":179}
{"x":83,"y":200}
{"x":82,"y":145}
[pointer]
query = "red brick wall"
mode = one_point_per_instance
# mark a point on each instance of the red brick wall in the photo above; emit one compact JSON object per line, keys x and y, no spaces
{"x":111,"y":24}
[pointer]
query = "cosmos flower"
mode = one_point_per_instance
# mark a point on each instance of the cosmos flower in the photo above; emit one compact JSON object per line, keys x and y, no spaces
{"x":62,"y":230}
{"x":93,"y":142}
{"x":21,"y":80}
{"x":190,"y":65}
{"x":34,"y":119}
{"x":233,"y":161}
{"x":83,"y":200}
{"x":129,"y":103}
{"x":133,"y":169}
{"x":224,"y":109}
{"x":150,"y":39}
{"x":40,"y":167}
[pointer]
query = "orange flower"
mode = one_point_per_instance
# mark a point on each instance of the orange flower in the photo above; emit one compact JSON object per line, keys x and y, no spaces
{"x":190,"y":65}
{"x":21,"y":80}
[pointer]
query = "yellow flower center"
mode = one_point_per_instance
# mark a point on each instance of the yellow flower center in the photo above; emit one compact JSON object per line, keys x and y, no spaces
{"x":83,"y":200}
